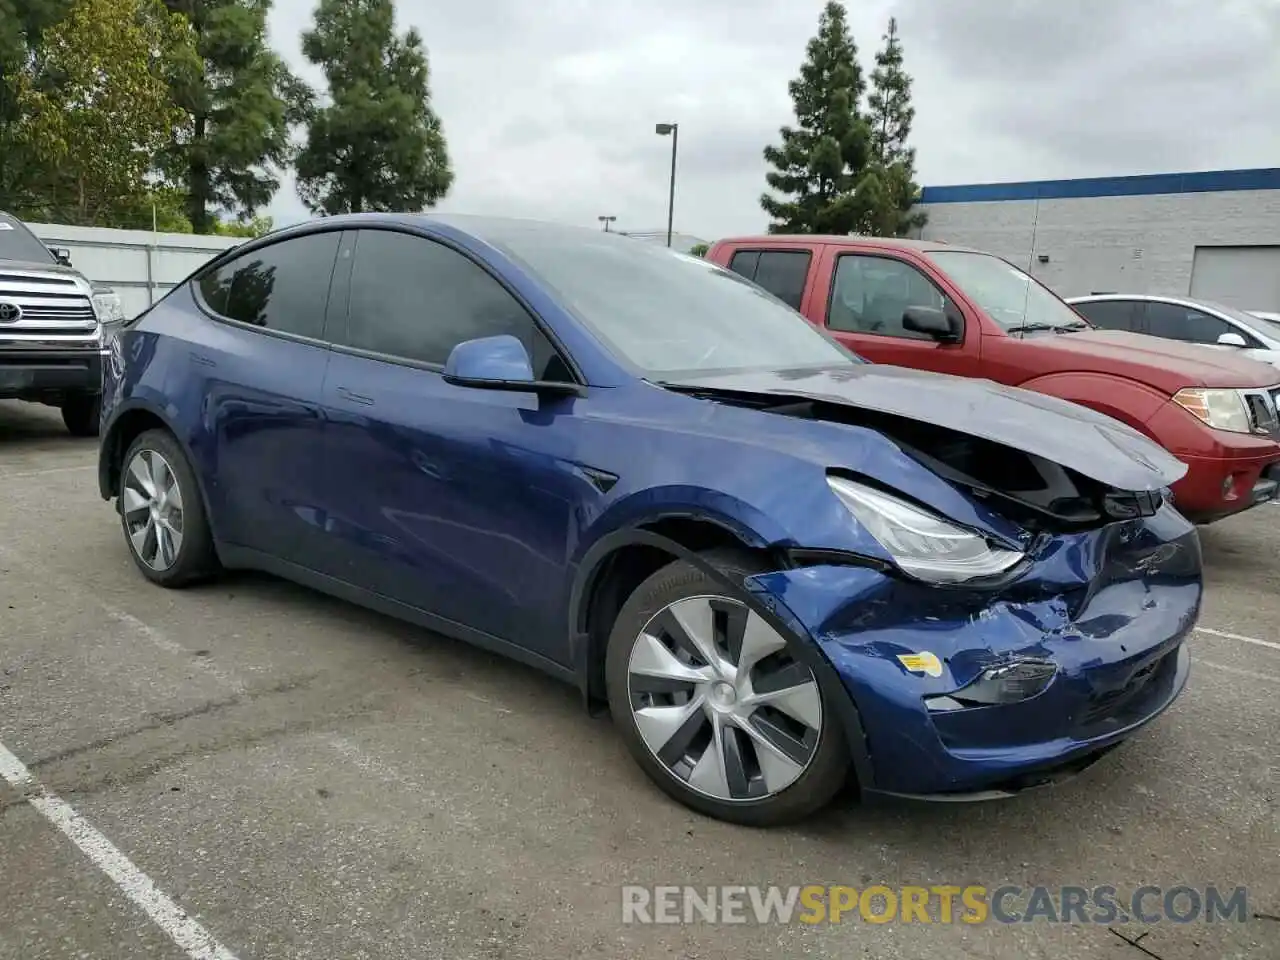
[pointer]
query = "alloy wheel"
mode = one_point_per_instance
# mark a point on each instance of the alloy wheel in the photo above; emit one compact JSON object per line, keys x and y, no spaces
{"x":151,"y":503}
{"x":720,"y":702}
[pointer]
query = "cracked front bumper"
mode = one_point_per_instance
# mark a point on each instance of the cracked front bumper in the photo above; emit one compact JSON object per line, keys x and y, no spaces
{"x":1110,"y":607}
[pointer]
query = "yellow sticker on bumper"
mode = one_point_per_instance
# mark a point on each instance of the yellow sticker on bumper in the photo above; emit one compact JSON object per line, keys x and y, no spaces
{"x":926,"y":663}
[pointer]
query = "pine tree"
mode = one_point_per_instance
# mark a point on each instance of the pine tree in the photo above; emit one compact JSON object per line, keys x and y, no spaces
{"x":238,"y":105}
{"x":822,"y":159}
{"x":891,"y":190}
{"x":376,"y":144}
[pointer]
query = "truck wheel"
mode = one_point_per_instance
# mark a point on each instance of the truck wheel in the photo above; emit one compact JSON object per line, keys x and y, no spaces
{"x":82,"y":412}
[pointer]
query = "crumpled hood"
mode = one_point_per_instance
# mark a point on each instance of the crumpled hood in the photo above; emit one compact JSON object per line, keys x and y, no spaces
{"x":1169,"y":363}
{"x":1076,"y":437}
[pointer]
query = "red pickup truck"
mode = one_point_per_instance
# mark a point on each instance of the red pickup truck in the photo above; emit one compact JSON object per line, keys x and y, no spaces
{"x":935,"y":306}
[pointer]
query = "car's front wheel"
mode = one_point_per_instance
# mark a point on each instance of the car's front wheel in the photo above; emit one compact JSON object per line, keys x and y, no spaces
{"x":162,"y":514}
{"x":715,"y":705}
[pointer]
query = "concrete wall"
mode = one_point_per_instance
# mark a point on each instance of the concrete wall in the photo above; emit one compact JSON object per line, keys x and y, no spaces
{"x":140,"y":265}
{"x":1142,"y":243}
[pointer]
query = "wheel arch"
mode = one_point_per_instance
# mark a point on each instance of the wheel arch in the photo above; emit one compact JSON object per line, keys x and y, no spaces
{"x":618,"y":562}
{"x":134,"y":418}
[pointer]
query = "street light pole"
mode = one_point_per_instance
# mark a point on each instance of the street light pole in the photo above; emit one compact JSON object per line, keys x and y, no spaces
{"x":672,"y":130}
{"x":606,"y":221}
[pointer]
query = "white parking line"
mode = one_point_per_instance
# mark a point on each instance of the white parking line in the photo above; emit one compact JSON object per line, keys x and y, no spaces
{"x":46,"y":472}
{"x":194,"y":940}
{"x":1235,"y":636}
{"x":1251,"y":674}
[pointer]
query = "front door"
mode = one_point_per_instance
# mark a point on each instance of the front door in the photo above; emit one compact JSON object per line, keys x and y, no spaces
{"x":454,"y":500}
{"x":869,"y":295}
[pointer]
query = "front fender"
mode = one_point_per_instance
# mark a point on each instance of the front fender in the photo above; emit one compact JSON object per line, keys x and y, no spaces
{"x":766,"y":605}
{"x":1128,"y":401}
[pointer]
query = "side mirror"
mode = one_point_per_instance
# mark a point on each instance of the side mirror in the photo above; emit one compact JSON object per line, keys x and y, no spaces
{"x":498,"y":363}
{"x":62,"y":255}
{"x":942,"y":325}
{"x":1231,"y":340}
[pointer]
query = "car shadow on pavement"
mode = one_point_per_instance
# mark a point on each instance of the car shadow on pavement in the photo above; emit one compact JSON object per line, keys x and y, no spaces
{"x":23,"y":423}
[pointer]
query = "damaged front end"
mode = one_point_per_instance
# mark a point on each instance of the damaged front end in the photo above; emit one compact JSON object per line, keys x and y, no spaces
{"x":998,"y":618}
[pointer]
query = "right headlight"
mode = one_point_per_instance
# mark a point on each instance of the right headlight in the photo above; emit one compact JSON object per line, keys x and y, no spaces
{"x":922,"y":544}
{"x":1220,"y":409}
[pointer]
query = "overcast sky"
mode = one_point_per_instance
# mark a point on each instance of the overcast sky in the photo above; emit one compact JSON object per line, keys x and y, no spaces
{"x":549,"y":105}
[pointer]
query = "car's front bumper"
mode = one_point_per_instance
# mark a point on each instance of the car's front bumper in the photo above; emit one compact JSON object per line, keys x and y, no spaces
{"x":1111,"y":608}
{"x":37,"y":369}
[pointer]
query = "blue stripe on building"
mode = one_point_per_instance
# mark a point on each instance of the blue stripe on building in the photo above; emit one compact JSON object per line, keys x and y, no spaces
{"x":1207,"y":181}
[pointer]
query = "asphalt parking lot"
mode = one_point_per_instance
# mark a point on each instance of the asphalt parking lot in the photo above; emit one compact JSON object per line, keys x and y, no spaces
{"x":300,"y":778}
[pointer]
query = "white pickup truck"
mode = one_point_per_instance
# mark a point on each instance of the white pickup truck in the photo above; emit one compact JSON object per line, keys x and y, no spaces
{"x":54,"y":327}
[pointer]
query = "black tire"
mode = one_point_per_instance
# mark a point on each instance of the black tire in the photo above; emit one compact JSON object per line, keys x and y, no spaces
{"x":828,"y":768}
{"x":82,"y":413}
{"x":197,"y":558}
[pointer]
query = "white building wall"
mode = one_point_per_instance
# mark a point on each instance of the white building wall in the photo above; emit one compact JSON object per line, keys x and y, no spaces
{"x":140,"y":265}
{"x":1127,"y":244}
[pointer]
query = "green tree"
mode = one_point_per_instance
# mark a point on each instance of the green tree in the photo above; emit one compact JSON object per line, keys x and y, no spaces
{"x":893,"y":191}
{"x":822,"y":160}
{"x":700,"y":249}
{"x":94,"y":108}
{"x":256,"y":227}
{"x":238,"y":104}
{"x":21,"y":24}
{"x":376,"y":143}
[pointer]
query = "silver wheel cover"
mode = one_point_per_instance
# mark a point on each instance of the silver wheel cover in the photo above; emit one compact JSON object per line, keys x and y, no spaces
{"x":151,"y":505}
{"x":720,"y":702}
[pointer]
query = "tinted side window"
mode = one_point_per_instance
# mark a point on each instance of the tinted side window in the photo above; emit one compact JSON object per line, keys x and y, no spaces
{"x":1183,"y":323}
{"x":417,"y":299}
{"x":744,"y":262}
{"x":783,"y":273}
{"x":870,"y":295}
{"x":1109,"y":314}
{"x":284,"y":286}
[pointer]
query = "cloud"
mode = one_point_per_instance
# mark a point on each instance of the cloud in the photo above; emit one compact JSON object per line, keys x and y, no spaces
{"x":549,"y":107}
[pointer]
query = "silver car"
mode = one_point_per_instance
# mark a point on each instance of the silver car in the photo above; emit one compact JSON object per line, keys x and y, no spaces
{"x":1181,"y":318}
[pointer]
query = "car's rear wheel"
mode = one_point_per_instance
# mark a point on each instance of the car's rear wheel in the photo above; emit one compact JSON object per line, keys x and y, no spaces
{"x":162,"y":514}
{"x":82,"y":414}
{"x":714,"y":704}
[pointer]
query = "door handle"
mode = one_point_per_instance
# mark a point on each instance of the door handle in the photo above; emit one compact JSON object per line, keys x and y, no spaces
{"x":355,"y":397}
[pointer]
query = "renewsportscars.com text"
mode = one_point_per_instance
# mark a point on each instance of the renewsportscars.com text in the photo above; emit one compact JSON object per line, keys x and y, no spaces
{"x":817,"y":903}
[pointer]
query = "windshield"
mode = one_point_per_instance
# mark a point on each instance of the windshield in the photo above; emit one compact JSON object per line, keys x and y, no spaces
{"x":1266,"y":326}
{"x":1007,"y":295}
{"x":19,"y":243}
{"x":667,"y":314}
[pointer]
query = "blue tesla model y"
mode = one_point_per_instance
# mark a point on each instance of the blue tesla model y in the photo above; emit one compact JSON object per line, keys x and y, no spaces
{"x":781,"y":568}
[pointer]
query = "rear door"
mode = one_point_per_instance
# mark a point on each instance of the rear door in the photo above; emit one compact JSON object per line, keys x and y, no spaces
{"x":256,"y":373}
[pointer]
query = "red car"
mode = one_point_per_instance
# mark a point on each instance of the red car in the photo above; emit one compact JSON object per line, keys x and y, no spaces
{"x":949,"y":309}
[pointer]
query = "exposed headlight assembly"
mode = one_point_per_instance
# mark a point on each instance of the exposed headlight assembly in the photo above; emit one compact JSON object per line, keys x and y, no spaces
{"x":921,"y":543}
{"x":1220,"y":409}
